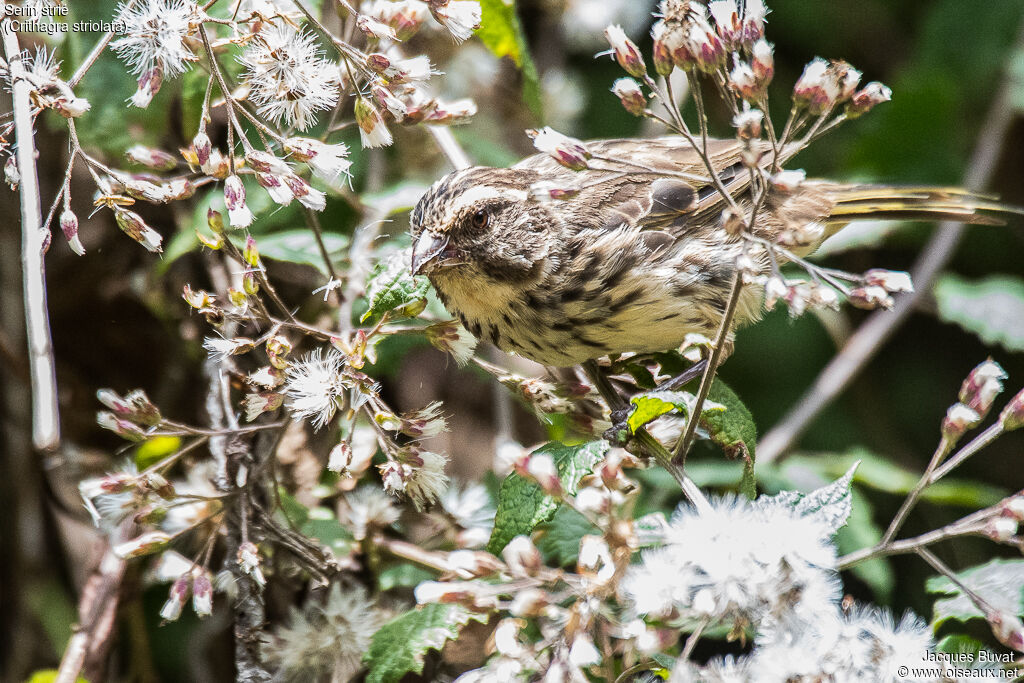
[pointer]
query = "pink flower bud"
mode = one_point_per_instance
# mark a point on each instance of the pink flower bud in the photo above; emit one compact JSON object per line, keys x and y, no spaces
{"x":867,"y":98}
{"x":69,"y":226}
{"x":1012,"y":416}
{"x":276,"y":187}
{"x":632,"y":97}
{"x":460,"y":17}
{"x":71,"y":107}
{"x":754,"y":12}
{"x":706,"y":47}
{"x":175,"y":600}
{"x":744,"y":83}
{"x":568,"y":152}
{"x":727,"y":21}
{"x":202,"y":593}
{"x":662,"y":53}
{"x":748,"y":124}
{"x":815,"y":89}
{"x":234,"y":199}
{"x":788,"y":181}
{"x":959,"y":418}
{"x":202,"y":146}
{"x":847,"y":78}
{"x":763,"y":63}
{"x":149,"y":157}
{"x":627,"y":54}
{"x":1001,"y":528}
{"x":250,"y":253}
{"x":148,"y":86}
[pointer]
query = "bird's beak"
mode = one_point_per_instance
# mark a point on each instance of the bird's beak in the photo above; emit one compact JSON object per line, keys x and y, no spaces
{"x":427,"y":248}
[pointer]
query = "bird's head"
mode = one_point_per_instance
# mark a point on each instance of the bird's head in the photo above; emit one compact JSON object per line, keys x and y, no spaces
{"x":480,"y":223}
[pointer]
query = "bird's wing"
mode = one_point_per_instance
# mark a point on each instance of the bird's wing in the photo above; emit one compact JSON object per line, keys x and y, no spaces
{"x":656,"y":184}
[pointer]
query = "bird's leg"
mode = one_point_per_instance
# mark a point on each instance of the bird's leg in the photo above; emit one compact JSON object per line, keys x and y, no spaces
{"x":684,"y":377}
{"x":617,"y":405}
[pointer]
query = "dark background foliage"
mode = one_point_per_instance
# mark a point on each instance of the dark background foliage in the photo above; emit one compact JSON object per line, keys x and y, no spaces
{"x":118,"y":319}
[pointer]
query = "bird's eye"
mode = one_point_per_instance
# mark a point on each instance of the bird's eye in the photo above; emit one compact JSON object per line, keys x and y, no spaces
{"x":480,"y":218}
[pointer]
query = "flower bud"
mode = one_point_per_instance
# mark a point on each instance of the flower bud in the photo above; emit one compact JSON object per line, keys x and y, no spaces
{"x":203,"y":148}
{"x":69,"y":226}
{"x":71,"y":107}
{"x":1015,"y":508}
{"x":460,"y":17}
{"x":1012,"y":416}
{"x":788,"y":181}
{"x":133,"y":226}
{"x":568,"y":152}
{"x":748,"y":124}
{"x":148,"y":86}
{"x":763,"y":63}
{"x":451,"y":337}
{"x":981,"y":387}
{"x":959,"y":418}
{"x":727,"y":21}
{"x":328,"y":162}
{"x":248,"y":559}
{"x":250,"y":285}
{"x":847,"y":78}
{"x":754,"y":12}
{"x":522,"y":557}
{"x":372,"y":130}
{"x":276,"y":187}
{"x":202,"y":593}
{"x":149,"y":542}
{"x":251,"y":254}
{"x":627,"y":54}
{"x":890,"y":280}
{"x":632,"y":97}
{"x":744,"y":83}
{"x":867,"y":98}
{"x":239,"y":214}
{"x":662,"y":54}
{"x":11,"y":174}
{"x":706,"y":47}
{"x":308,"y":196}
{"x":375,"y":29}
{"x":1001,"y":528}
{"x":774,"y":290}
{"x":815,"y":89}
{"x":405,"y":18}
{"x":871,"y":297}
{"x":156,"y":159}
{"x":1007,"y":628}
{"x":175,"y":600}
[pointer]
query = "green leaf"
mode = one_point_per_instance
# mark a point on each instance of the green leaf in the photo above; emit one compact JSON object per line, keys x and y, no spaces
{"x":998,"y":582}
{"x":734,"y":430}
{"x":403,"y":575}
{"x":399,"y":646}
{"x":299,"y":246}
{"x":992,"y":308}
{"x":503,"y":35}
{"x":559,"y":539}
{"x":155,"y":449}
{"x":878,"y":473}
{"x":391,"y":285}
{"x":654,"y":404}
{"x":957,"y":643}
{"x":522,"y":505}
{"x":831,"y":504}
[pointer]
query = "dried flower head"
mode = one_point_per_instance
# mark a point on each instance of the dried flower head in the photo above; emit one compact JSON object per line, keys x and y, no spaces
{"x":154,"y":36}
{"x":289,"y":80}
{"x":315,"y":386}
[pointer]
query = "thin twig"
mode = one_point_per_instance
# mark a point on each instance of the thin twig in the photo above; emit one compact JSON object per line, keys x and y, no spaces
{"x":686,"y":439}
{"x":865,"y":343}
{"x":45,"y":415}
{"x":915,"y":493}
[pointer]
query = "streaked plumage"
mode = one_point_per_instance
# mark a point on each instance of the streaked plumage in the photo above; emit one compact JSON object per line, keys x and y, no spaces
{"x":636,"y":260}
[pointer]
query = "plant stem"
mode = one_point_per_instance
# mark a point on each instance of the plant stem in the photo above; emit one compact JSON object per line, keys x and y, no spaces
{"x":45,"y":413}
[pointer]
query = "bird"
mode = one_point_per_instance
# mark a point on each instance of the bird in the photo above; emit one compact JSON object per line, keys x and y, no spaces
{"x":631,"y":254}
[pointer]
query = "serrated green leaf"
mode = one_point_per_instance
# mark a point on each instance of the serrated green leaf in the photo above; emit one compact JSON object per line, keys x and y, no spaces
{"x":732,"y":428}
{"x":831,"y":503}
{"x":391,"y":285}
{"x":502,"y":33}
{"x":299,"y":246}
{"x":876,"y":472}
{"x":522,"y":505}
{"x":403,"y":575}
{"x":998,"y":582}
{"x":992,"y":308}
{"x":559,"y":539}
{"x":399,"y":646}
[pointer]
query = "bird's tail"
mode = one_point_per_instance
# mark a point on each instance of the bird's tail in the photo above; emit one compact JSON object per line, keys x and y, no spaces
{"x":910,"y":203}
